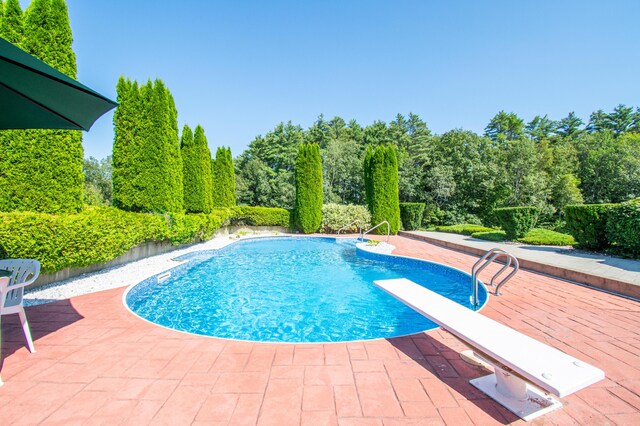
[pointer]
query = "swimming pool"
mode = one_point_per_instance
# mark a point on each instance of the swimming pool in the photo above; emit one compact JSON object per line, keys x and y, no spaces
{"x":292,"y":289}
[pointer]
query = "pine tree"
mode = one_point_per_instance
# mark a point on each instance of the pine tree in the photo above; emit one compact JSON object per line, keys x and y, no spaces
{"x":381,"y":167}
{"x":308,"y":179}
{"x":224,"y":179}
{"x":42,"y":169}
{"x":11,"y":24}
{"x":196,"y":160}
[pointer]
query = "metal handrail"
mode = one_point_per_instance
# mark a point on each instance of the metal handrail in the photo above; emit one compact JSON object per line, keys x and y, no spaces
{"x":381,"y":223}
{"x":496,"y":253}
{"x":358,"y":221}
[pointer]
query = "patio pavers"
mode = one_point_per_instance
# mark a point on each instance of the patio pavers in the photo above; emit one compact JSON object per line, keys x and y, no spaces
{"x":97,"y":364}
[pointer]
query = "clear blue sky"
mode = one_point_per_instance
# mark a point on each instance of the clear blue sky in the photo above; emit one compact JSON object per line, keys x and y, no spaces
{"x":240,"y":67}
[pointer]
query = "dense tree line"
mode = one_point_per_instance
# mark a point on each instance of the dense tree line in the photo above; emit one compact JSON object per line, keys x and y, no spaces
{"x":461,"y":175}
{"x":41,"y":170}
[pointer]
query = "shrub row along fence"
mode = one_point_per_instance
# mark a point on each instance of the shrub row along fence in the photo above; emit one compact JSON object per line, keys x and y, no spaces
{"x":101,"y":234}
{"x":602,"y":226}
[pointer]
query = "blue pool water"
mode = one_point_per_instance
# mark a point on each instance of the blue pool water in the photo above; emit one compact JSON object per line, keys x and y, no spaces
{"x":292,"y":290}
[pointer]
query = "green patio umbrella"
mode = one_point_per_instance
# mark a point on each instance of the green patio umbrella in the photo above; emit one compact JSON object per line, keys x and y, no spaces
{"x":34,"y":95}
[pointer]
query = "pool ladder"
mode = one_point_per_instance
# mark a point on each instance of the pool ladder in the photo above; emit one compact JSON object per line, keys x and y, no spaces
{"x":381,"y":223}
{"x":362,"y":234}
{"x":483,"y":262}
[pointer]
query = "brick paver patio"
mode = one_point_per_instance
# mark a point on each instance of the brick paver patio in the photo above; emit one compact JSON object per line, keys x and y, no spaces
{"x":98,"y":364}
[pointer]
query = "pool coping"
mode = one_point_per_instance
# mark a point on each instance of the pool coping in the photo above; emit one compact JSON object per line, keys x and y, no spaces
{"x":597,"y":282}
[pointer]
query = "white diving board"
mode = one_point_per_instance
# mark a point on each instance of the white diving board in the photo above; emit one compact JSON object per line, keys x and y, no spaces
{"x":519,"y":360}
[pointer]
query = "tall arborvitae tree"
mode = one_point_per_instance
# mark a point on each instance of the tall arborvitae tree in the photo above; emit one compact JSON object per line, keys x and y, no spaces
{"x":224,"y":179}
{"x":196,"y":161}
{"x":11,"y":25}
{"x":42,"y":169}
{"x":147,"y":166}
{"x":126,"y":125}
{"x":368,"y":190}
{"x":308,"y":178}
{"x":383,"y":187}
{"x":160,"y":177}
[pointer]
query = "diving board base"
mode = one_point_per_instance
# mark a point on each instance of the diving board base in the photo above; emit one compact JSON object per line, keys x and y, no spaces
{"x":516,"y":395}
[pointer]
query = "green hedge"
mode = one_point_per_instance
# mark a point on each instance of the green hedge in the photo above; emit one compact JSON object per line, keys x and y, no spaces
{"x":101,"y":234}
{"x":335,"y":216}
{"x":260,"y":216}
{"x":588,"y":224}
{"x":623,"y":228}
{"x":411,"y":215}
{"x":464,"y":229}
{"x":546,"y":237}
{"x":490,"y":235}
{"x":517,"y":221}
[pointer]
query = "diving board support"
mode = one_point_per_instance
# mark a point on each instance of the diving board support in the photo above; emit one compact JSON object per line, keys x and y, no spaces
{"x":514,"y":394}
{"x":527,"y":372}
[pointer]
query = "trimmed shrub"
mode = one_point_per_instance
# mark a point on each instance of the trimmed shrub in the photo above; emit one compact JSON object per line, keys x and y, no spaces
{"x":98,"y":235}
{"x":224,"y":179}
{"x":260,"y":216}
{"x":382,"y":187}
{"x":308,"y":179}
{"x":494,"y":235}
{"x":197,"y":174}
{"x":411,"y":215}
{"x":335,"y":216}
{"x":42,"y":169}
{"x":588,"y":224}
{"x":517,"y":221}
{"x":546,"y":237}
{"x":464,"y":229}
{"x":92,"y":236}
{"x":623,"y":228}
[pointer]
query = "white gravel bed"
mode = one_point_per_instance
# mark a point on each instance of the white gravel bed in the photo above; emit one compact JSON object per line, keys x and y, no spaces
{"x":127,"y":274}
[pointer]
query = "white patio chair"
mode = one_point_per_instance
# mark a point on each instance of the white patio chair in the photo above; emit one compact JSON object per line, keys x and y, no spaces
{"x":23,"y":273}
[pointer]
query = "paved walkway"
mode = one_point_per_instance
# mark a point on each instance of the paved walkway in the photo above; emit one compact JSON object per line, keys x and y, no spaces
{"x":614,"y":274}
{"x":98,"y":364}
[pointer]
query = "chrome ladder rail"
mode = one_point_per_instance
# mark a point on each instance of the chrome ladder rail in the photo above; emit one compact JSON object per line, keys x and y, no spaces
{"x":483,"y":262}
{"x":381,"y":223}
{"x":359,"y":222}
